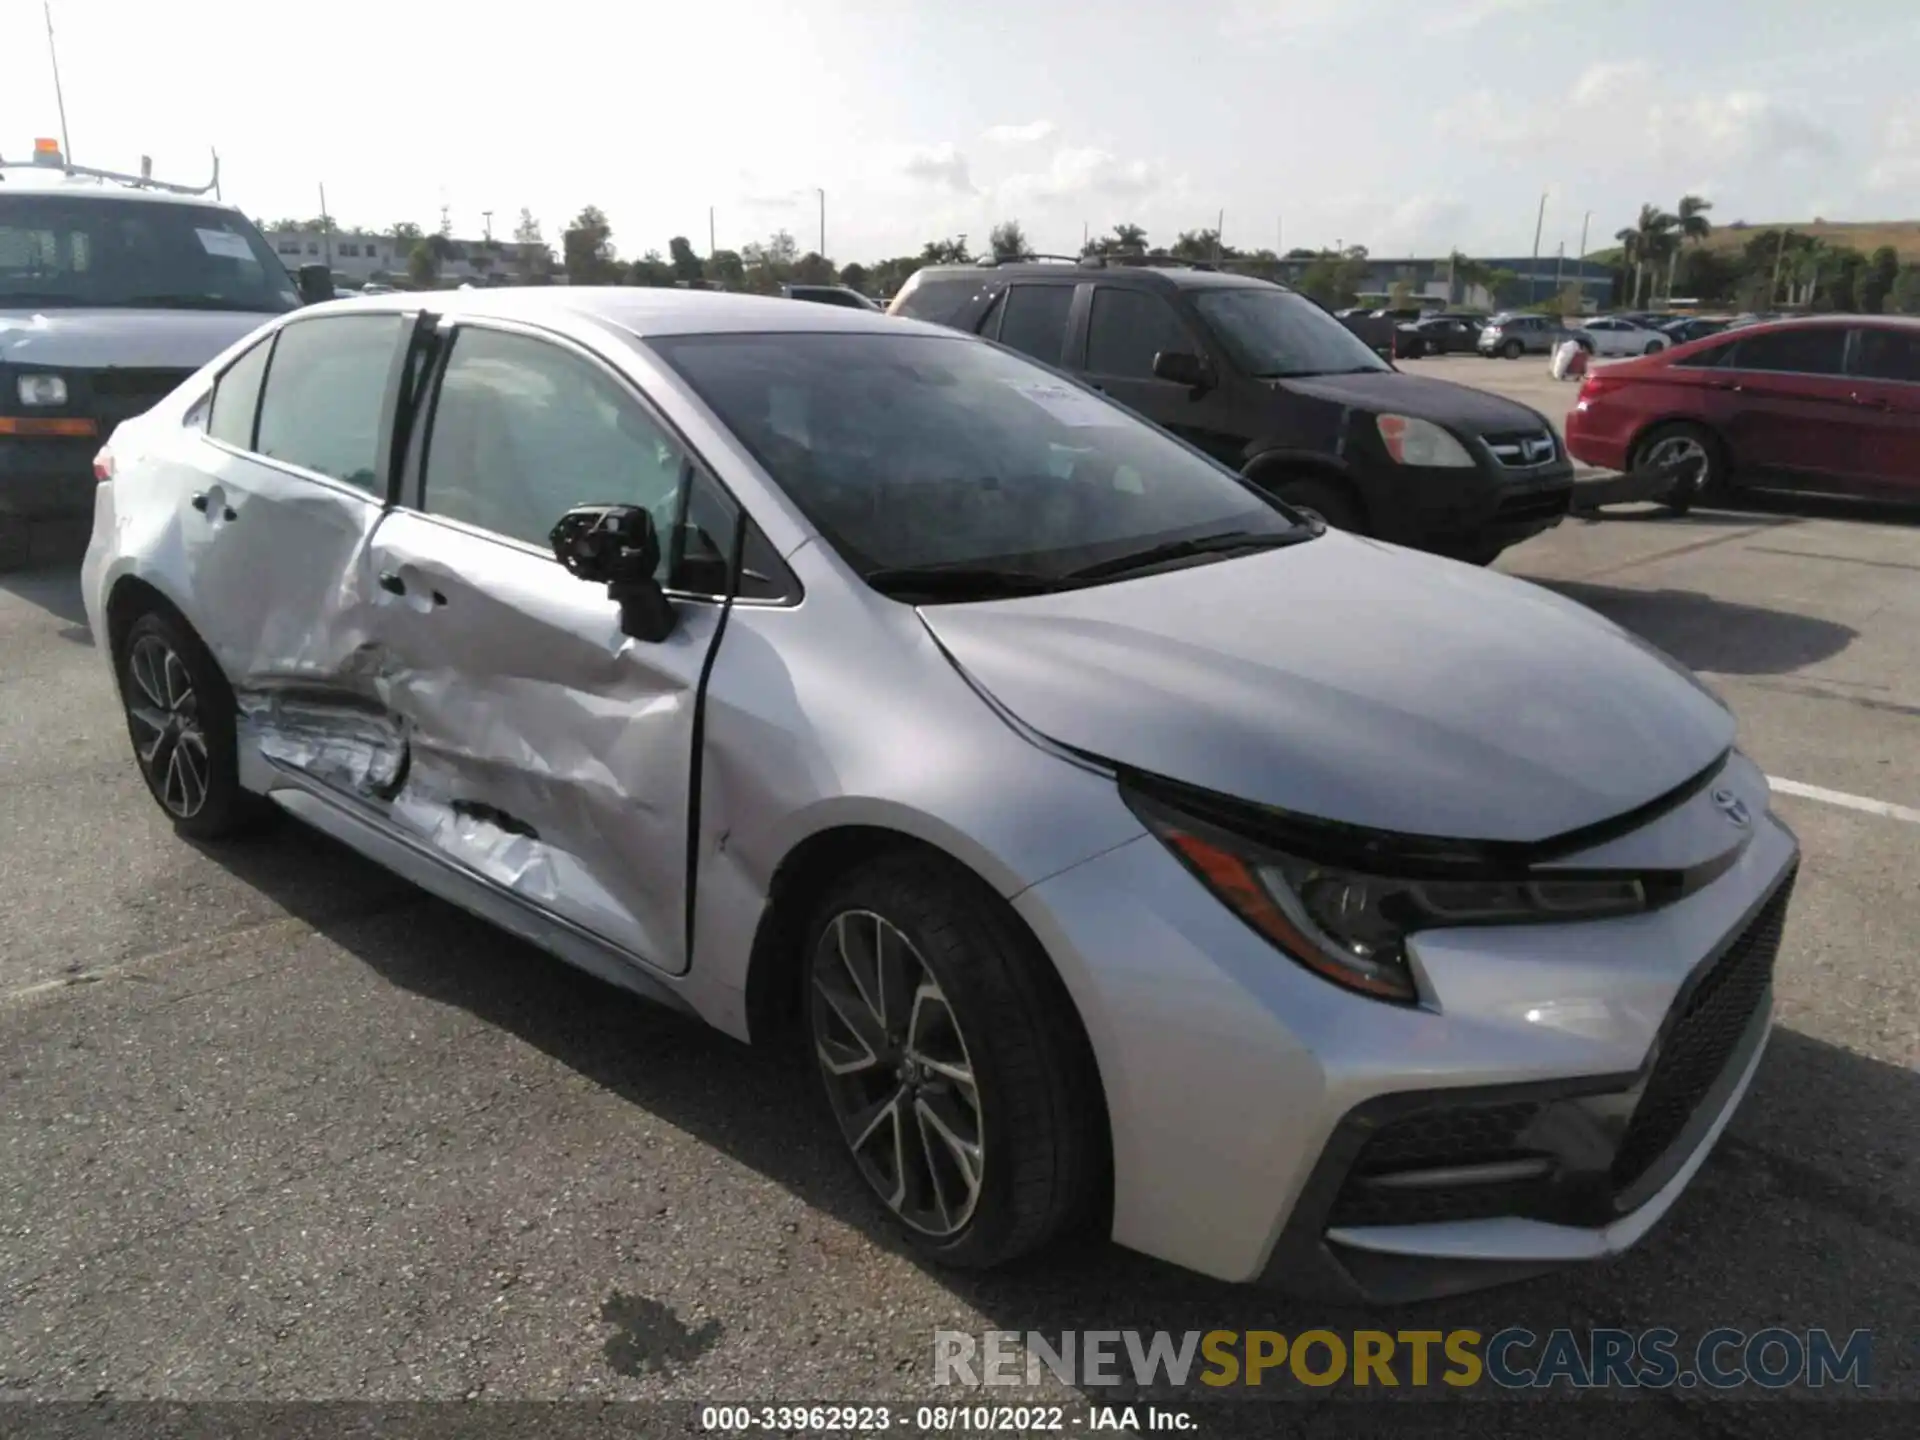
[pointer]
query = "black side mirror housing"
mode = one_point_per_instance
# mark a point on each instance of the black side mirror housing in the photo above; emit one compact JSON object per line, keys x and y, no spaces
{"x":315,"y":282}
{"x":617,"y":546}
{"x":1183,"y":369}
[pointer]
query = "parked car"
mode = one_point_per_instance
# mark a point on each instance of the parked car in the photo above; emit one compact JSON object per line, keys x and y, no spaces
{"x":1694,"y":327}
{"x":1610,"y":335}
{"x":1268,"y":383}
{"x":1439,"y":335}
{"x":1511,"y":336}
{"x":110,"y":296}
{"x":1829,"y":404}
{"x":842,"y":295}
{"x":802,"y":669}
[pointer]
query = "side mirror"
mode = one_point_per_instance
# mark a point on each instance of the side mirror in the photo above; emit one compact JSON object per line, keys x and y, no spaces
{"x":315,"y":282}
{"x":617,"y":546}
{"x":1183,"y":369}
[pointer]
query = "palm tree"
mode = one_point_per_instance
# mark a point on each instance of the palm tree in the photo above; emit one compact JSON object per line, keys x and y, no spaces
{"x":1691,"y":224}
{"x":1655,"y":229}
{"x":1630,"y":255}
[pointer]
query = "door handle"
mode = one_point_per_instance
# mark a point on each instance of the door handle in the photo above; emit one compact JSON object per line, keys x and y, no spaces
{"x":202,"y":502}
{"x":391,"y":582}
{"x":199,"y":501}
{"x":1870,"y":402}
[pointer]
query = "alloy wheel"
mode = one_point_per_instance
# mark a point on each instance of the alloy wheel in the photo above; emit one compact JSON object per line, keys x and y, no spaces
{"x":898,"y":1072}
{"x":168,"y":737}
{"x":1686,"y":455}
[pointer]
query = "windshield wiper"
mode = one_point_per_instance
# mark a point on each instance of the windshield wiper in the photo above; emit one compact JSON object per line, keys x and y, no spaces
{"x":10,"y":298}
{"x":954,"y":582}
{"x":1185,"y":549}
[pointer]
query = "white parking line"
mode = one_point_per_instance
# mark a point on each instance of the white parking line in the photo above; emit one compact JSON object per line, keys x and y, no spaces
{"x":1851,"y":802}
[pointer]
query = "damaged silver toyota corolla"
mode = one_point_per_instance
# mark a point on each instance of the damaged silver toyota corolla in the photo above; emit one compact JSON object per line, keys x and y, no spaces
{"x":1126,"y":844}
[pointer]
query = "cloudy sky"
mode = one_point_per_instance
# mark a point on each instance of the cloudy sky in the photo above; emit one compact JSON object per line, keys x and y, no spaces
{"x":1404,"y":125}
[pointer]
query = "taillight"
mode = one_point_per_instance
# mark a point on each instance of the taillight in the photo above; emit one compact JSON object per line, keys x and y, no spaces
{"x":103,"y":465}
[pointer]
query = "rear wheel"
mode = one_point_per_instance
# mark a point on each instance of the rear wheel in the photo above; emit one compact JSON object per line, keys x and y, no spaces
{"x":1693,"y":452}
{"x":1511,"y":350}
{"x":1654,"y":347}
{"x":180,"y":717}
{"x":951,"y":1061}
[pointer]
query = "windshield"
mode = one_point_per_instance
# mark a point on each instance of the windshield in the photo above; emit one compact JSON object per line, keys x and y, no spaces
{"x":60,"y":250}
{"x":1273,"y":333}
{"x":910,"y":451}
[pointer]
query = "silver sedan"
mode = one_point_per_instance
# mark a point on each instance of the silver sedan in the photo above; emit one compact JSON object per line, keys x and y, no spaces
{"x":1125,"y":844}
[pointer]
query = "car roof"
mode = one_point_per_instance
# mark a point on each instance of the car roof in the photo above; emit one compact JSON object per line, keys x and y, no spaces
{"x":91,"y":191}
{"x":639,"y":310}
{"x":1155,"y":276}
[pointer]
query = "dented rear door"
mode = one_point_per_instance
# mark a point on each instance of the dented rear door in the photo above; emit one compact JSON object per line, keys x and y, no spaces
{"x":547,"y":751}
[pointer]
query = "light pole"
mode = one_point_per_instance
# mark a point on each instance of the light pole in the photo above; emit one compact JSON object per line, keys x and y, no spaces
{"x":823,"y":221}
{"x":1533,"y":269}
{"x":486,"y":225}
{"x":1585,"y":221}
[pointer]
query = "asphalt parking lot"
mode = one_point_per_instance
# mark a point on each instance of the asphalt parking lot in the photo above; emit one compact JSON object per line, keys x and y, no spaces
{"x":278,"y":1126}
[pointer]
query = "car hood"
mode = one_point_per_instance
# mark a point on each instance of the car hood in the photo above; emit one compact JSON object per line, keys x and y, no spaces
{"x":1352,"y":681}
{"x":86,"y":339}
{"x":1459,"y":407}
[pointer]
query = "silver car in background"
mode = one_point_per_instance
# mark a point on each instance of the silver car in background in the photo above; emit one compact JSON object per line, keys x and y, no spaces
{"x":1125,"y":844}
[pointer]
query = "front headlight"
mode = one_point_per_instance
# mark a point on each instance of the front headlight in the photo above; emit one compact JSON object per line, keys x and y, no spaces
{"x":41,"y":390}
{"x":1351,"y":926}
{"x":1420,"y":442}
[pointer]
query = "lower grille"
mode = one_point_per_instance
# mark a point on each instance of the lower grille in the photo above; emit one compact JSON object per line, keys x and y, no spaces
{"x":135,"y":383}
{"x":1537,"y":505}
{"x":1447,"y":1137}
{"x":1699,"y":1041}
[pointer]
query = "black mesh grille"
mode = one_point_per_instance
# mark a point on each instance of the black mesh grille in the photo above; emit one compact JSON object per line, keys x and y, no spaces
{"x":128,"y":382}
{"x":1454,"y":1135}
{"x":1712,"y":1019}
{"x":1539,"y":505}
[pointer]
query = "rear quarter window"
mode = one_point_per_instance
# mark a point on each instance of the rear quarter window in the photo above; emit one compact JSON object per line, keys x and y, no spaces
{"x":943,"y":299}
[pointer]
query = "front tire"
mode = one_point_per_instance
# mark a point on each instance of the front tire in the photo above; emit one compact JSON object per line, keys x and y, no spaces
{"x":952,"y":1061}
{"x":180,"y":718}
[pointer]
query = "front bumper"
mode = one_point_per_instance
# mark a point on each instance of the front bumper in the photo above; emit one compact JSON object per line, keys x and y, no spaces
{"x":1243,"y":1091}
{"x":1467,"y":512}
{"x":47,"y":477}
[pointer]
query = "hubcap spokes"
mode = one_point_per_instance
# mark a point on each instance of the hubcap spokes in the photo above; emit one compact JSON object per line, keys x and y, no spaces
{"x":898,"y":1072}
{"x":164,"y":716}
{"x":1682,"y":452}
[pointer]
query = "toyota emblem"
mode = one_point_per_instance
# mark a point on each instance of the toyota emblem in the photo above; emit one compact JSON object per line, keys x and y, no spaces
{"x":1732,"y":806}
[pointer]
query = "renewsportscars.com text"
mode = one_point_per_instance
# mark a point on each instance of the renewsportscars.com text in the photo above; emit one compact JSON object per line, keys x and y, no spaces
{"x":1512,"y":1358}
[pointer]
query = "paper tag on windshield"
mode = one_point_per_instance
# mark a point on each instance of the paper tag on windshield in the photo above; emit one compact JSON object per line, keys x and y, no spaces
{"x":224,"y":243}
{"x":1065,"y":404}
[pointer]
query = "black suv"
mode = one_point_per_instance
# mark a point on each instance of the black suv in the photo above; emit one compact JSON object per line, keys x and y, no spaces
{"x":1268,"y":382}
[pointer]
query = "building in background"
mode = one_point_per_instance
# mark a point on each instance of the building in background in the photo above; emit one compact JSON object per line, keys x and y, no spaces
{"x":357,"y":257}
{"x":1434,"y":280}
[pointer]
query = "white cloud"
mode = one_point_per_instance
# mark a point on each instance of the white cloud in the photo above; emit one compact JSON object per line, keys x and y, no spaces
{"x":1740,"y":125}
{"x":939,"y":165}
{"x":1898,"y":163}
{"x":1028,"y":134}
{"x":1085,"y":171}
{"x":1610,"y":80}
{"x":1243,"y":19}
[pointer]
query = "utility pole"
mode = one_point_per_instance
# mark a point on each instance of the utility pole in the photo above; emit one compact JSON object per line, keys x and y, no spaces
{"x":66,"y":145}
{"x":1533,"y":270}
{"x":1586,"y":220}
{"x":1086,"y":234}
{"x":486,"y":225}
{"x":326,"y":229}
{"x":1219,"y":232}
{"x":1559,"y":268}
{"x":823,"y":222}
{"x":711,"y":247}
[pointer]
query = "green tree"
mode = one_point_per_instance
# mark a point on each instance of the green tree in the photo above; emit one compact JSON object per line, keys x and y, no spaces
{"x":1690,"y":227}
{"x":686,"y":264}
{"x":1125,"y":240}
{"x":423,"y":265}
{"x":1840,"y":274}
{"x":1873,"y":287}
{"x":527,"y":230}
{"x":854,"y":276}
{"x":1009,"y":242}
{"x":946,"y":252}
{"x":1655,"y":237}
{"x":1507,"y":287}
{"x":1201,"y":245}
{"x":1904,"y":298}
{"x":725,"y":267}
{"x":813,"y":268}
{"x":651,"y":270}
{"x":587,"y":248}
{"x":1335,"y":277}
{"x":406,"y":231}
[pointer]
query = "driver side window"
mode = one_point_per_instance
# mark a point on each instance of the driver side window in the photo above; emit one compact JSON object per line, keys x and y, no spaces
{"x":524,"y":430}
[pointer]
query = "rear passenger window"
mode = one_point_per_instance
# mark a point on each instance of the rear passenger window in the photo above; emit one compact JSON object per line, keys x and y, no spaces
{"x":1813,"y":350}
{"x":1888,"y":355}
{"x":1128,"y":328}
{"x":236,"y":398}
{"x":325,"y":387}
{"x":1036,"y":320}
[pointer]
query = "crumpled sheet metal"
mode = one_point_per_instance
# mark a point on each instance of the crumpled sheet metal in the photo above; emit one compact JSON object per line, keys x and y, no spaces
{"x":363,"y":751}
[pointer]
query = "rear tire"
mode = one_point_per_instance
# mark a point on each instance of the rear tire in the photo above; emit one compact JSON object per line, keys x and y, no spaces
{"x":1685,"y":442}
{"x":952,"y":1060}
{"x":1654,"y":347}
{"x":180,"y":718}
{"x":1511,"y":350}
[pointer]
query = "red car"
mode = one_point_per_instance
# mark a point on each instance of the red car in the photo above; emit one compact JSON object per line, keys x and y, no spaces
{"x":1824,"y":403}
